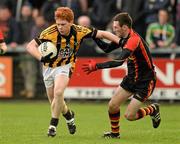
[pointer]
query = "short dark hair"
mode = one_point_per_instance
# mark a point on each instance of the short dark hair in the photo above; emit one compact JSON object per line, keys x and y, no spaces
{"x":123,"y":19}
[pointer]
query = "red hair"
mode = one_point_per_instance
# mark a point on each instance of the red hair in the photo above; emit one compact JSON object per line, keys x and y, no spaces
{"x":64,"y":13}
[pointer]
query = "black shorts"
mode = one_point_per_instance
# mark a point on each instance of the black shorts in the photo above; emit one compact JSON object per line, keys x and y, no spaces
{"x":141,"y":89}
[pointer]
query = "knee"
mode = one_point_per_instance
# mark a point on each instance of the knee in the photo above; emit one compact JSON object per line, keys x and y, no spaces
{"x":58,"y":93}
{"x":113,"y":107}
{"x":129,"y":116}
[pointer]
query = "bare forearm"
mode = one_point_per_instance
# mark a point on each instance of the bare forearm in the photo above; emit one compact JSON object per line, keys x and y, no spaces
{"x":32,"y":48}
{"x":107,"y":35}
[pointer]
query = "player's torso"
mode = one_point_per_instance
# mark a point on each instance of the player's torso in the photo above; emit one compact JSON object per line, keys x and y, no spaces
{"x":140,"y":65}
{"x":67,"y":46}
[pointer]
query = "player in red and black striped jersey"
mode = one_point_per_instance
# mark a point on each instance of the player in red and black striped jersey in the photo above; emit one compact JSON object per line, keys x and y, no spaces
{"x":56,"y":71}
{"x":3,"y":47}
{"x":140,"y":80}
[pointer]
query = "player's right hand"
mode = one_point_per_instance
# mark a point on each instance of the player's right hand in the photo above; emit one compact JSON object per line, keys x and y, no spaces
{"x":46,"y":59}
{"x":89,"y":67}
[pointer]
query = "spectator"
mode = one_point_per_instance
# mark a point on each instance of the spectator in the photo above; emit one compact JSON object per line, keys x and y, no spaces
{"x":26,"y":23}
{"x":79,"y":7}
{"x":177,"y":35}
{"x":102,"y":12}
{"x":35,"y":13}
{"x":40,"y":25}
{"x":48,"y":9}
{"x":11,"y":4}
{"x":161,"y":33}
{"x":9,"y":27}
{"x":152,"y":7}
{"x":36,"y":4}
{"x":177,"y":30}
{"x":27,"y":64}
{"x":87,"y":48}
{"x":135,"y":8}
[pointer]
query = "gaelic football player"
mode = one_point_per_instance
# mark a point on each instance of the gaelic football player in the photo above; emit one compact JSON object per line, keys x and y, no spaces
{"x":57,"y":71}
{"x":138,"y":83}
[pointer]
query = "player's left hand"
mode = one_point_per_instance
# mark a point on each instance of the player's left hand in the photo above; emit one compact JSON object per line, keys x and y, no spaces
{"x":46,"y":59}
{"x":89,"y":67}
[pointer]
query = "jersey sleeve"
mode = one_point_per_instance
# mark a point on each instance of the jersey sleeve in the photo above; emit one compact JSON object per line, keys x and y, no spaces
{"x":41,"y":38}
{"x":45,"y":35}
{"x":85,"y":32}
{"x":132,"y":43}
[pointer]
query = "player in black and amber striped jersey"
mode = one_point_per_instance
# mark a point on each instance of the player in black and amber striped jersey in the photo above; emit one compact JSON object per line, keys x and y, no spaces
{"x":140,"y":80}
{"x":56,"y":71}
{"x":3,"y":46}
{"x":67,"y":46}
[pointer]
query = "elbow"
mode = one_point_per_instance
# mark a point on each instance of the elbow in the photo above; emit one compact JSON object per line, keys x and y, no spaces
{"x":28,"y":48}
{"x":107,"y":50}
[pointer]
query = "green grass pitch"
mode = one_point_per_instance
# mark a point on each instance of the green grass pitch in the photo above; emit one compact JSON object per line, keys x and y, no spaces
{"x":26,"y":122}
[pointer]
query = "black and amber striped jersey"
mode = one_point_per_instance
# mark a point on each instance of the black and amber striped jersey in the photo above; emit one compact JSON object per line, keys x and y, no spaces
{"x":67,"y":46}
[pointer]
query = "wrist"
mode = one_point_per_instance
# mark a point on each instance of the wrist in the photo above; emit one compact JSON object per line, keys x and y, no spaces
{"x":42,"y":59}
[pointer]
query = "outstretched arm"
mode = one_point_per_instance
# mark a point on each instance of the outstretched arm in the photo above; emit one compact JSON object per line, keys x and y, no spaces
{"x":93,"y":66}
{"x":117,"y":62}
{"x":107,"y":35}
{"x":106,"y":47}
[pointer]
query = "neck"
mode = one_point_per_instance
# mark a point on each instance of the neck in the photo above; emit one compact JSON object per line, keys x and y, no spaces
{"x":127,"y":33}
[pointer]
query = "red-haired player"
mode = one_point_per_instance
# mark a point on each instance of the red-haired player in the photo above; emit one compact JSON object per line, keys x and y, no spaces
{"x":57,"y":71}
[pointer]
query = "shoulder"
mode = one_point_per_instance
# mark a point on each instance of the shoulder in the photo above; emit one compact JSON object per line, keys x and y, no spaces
{"x":171,"y":27}
{"x":133,"y":41}
{"x":51,"y":29}
{"x":134,"y":36}
{"x":79,"y":28}
{"x":153,"y":25}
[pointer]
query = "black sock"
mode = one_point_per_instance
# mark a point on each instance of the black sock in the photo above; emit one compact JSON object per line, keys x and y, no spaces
{"x":54,"y":122}
{"x":68,"y":115}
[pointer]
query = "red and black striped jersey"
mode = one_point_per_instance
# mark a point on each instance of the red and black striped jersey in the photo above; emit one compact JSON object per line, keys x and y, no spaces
{"x":140,"y":64}
{"x":67,"y":46}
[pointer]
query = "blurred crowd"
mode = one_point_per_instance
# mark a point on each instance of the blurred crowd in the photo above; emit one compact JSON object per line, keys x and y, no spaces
{"x":157,"y":21}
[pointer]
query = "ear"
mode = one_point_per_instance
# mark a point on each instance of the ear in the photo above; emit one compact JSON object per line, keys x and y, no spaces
{"x":72,"y":22}
{"x":124,"y":27}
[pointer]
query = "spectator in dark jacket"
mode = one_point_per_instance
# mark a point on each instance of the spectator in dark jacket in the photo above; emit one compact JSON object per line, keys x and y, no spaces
{"x":102,"y":12}
{"x":9,"y":27}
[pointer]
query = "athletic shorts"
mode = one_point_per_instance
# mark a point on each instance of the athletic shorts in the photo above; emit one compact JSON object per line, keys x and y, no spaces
{"x":49,"y":74}
{"x":142,"y":90}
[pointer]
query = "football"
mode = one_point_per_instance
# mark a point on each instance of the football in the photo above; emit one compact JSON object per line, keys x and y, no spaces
{"x":46,"y":48}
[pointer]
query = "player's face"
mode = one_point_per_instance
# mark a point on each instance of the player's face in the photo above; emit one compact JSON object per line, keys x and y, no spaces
{"x":118,"y":30}
{"x":63,"y":26}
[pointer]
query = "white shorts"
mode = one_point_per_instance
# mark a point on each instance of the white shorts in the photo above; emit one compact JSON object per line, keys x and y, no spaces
{"x":49,"y":74}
